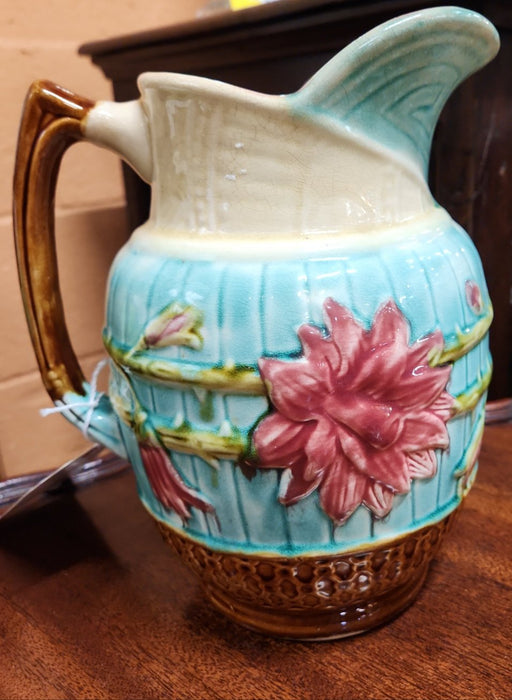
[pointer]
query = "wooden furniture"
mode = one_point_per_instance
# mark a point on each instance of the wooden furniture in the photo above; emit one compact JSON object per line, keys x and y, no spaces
{"x":95,"y":605}
{"x":276,"y":47}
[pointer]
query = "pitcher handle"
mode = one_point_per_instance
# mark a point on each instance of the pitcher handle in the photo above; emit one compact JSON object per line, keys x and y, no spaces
{"x":53,"y":119}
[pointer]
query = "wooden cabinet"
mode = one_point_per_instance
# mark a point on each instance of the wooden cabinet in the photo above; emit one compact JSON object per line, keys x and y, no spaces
{"x":276,"y":47}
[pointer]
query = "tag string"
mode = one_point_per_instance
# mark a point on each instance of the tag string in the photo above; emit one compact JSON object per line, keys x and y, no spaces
{"x":91,"y":404}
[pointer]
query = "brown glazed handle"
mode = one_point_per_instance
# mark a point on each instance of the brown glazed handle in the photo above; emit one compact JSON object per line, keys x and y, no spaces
{"x":52,"y":120}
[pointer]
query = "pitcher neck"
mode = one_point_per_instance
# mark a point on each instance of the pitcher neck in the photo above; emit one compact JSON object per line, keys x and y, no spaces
{"x":225,"y":165}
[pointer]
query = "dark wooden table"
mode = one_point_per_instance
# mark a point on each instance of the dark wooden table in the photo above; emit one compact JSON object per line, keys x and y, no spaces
{"x":93,"y":605}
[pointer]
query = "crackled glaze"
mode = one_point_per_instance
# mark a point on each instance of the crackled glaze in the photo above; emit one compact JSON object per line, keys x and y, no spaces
{"x":359,"y":416}
{"x":210,"y":302}
{"x":298,"y":334}
{"x":256,"y":310}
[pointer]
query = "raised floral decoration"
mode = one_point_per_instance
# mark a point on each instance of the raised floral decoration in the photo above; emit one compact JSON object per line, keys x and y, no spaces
{"x":164,"y":479}
{"x":167,"y":485}
{"x":474,"y":297}
{"x":176,"y":324}
{"x":358,"y":416}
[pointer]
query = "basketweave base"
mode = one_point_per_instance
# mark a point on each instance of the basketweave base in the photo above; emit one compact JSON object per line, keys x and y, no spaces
{"x":314,"y":597}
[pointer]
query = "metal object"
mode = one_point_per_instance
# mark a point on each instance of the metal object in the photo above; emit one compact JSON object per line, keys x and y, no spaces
{"x":30,"y":490}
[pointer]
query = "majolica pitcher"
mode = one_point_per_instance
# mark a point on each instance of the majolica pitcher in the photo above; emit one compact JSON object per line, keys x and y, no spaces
{"x":297,"y":336}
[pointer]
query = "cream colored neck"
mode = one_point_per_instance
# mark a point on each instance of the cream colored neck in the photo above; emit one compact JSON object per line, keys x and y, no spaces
{"x":224,"y":165}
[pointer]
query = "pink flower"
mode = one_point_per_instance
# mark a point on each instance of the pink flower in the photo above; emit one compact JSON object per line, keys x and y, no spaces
{"x":474,"y":297}
{"x":358,"y":416}
{"x":174,"y":325}
{"x":167,"y":485}
{"x":166,"y":331}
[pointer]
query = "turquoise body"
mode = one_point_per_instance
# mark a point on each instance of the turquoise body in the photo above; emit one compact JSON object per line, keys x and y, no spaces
{"x":204,"y":398}
{"x":253,"y":310}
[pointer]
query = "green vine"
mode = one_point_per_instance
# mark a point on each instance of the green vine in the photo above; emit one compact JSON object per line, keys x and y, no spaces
{"x":231,"y":443}
{"x":246,"y":380}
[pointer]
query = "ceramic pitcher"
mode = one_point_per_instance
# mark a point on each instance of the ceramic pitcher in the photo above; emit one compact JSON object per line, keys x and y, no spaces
{"x":297,"y":337}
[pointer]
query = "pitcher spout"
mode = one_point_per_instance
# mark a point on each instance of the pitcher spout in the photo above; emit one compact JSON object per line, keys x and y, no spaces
{"x":347,"y":153}
{"x":392,"y":83}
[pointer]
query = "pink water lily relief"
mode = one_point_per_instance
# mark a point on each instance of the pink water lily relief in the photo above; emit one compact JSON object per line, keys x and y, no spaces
{"x":164,"y":479}
{"x":167,"y":484}
{"x":176,"y":324}
{"x":358,"y":416}
{"x":474,"y":296}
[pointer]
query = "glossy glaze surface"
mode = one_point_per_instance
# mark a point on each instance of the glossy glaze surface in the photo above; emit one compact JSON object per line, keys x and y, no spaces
{"x":252,"y":385}
{"x":298,"y":334}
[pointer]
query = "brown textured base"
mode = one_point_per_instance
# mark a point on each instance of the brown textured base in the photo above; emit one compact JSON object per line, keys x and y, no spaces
{"x":314,"y":597}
